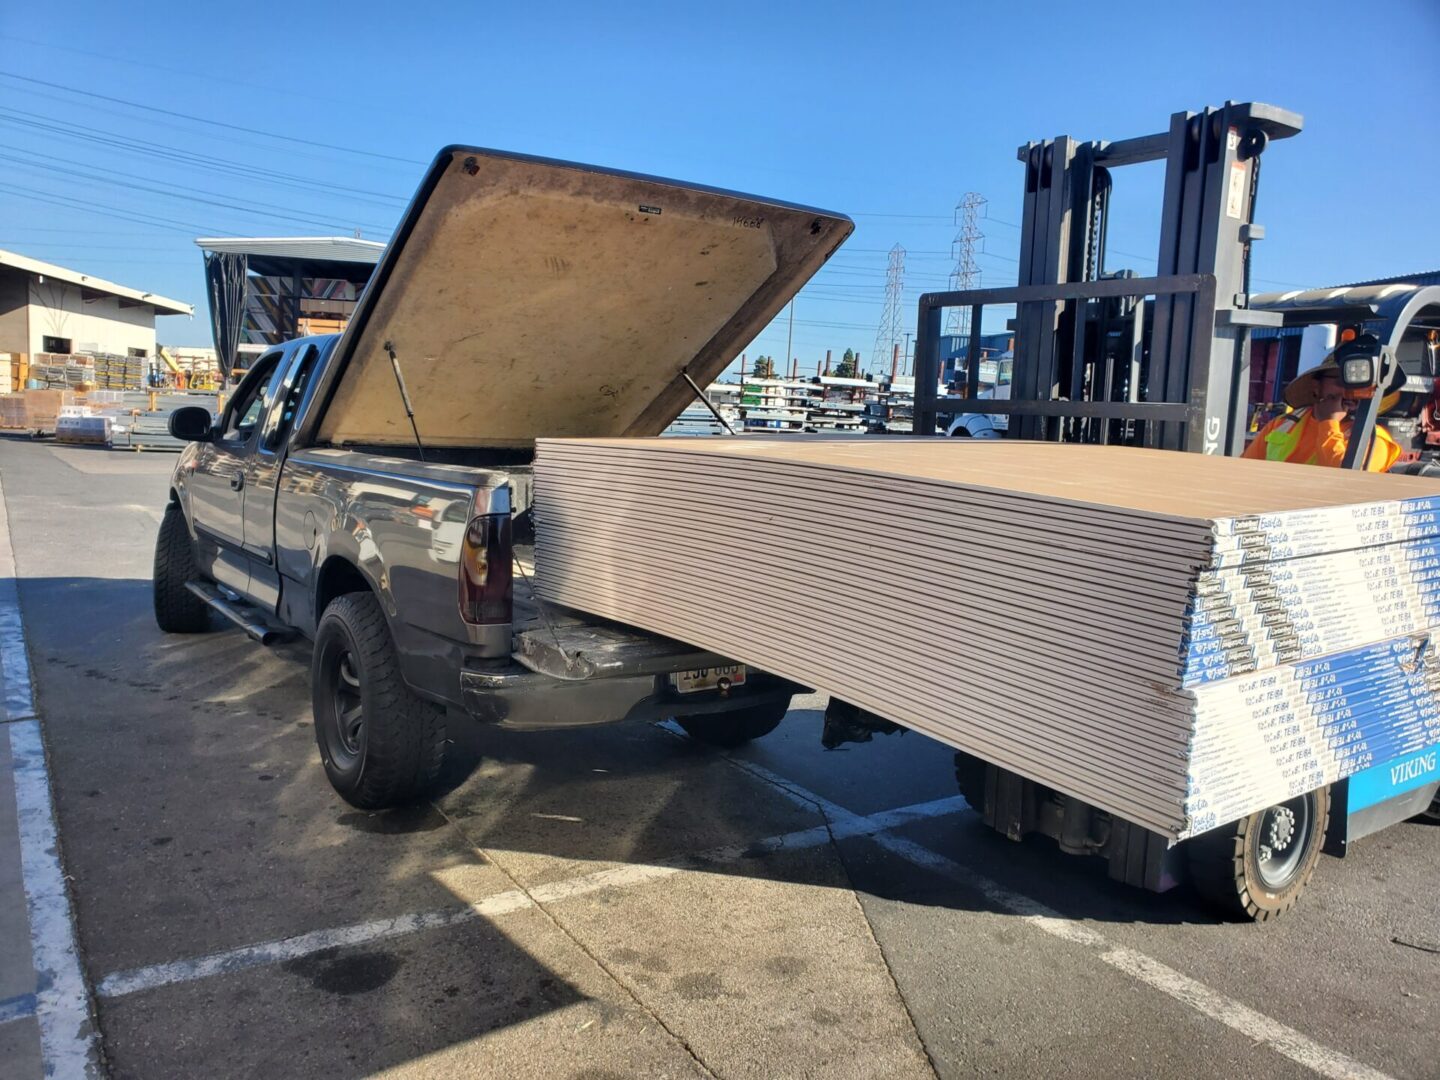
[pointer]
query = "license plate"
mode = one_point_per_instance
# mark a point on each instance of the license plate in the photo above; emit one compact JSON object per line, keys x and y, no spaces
{"x":708,"y":678}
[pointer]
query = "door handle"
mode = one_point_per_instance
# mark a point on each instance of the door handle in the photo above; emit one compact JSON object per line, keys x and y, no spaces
{"x":237,"y":481}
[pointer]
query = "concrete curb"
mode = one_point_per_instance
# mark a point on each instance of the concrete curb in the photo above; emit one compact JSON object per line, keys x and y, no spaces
{"x":58,"y":1001}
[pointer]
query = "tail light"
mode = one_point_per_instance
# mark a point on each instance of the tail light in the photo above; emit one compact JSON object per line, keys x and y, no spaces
{"x":486,"y":584}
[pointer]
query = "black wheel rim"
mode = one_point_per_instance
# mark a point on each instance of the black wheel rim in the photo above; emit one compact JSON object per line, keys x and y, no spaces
{"x":1281,"y":840}
{"x":346,"y":729}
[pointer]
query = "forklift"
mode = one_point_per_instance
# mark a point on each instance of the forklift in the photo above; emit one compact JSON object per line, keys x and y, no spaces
{"x":1399,"y":325}
{"x":1164,"y":362}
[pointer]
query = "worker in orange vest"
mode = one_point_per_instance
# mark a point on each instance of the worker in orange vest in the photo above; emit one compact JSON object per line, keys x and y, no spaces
{"x":1318,"y":430}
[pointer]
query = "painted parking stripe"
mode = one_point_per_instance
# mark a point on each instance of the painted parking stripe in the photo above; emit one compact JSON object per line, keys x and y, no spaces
{"x":17,"y":1008}
{"x":1239,"y":1017}
{"x":136,"y":980}
{"x":68,"y":1045}
{"x":18,"y":702}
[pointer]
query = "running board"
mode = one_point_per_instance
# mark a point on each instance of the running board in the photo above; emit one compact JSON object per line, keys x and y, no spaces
{"x":241,"y":614}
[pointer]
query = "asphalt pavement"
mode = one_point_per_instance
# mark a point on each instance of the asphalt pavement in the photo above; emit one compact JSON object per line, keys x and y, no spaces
{"x":616,"y":901}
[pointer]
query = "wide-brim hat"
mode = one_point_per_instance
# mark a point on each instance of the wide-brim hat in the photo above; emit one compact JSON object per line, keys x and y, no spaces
{"x":1301,"y":390}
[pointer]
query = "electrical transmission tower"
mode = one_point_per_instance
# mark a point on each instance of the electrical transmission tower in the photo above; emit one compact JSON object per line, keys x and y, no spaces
{"x":968,"y":241}
{"x":892,"y":320}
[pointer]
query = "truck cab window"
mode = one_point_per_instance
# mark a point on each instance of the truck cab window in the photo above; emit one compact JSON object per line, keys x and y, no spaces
{"x":292,"y":395}
{"x":249,"y":402}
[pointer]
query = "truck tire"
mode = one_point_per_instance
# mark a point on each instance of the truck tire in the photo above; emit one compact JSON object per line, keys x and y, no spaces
{"x":731,"y":729}
{"x":382,"y":745}
{"x":177,"y":609}
{"x":1256,"y":868}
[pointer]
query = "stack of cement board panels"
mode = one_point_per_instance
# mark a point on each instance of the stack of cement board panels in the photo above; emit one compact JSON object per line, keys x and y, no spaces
{"x":1178,"y":639}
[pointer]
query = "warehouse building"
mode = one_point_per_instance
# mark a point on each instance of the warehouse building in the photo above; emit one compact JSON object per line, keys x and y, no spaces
{"x":46,"y":308}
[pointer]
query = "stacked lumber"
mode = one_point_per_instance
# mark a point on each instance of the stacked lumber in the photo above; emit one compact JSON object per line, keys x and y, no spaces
{"x":15,"y":366}
{"x":114,"y":372}
{"x":1180,"y":640}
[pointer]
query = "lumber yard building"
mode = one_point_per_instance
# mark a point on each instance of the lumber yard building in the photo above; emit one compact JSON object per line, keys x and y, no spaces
{"x":46,"y":308}
{"x":266,"y":290}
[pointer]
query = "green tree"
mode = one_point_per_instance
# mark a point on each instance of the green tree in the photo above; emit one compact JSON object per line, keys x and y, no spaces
{"x":847,"y":366}
{"x":764,"y":367}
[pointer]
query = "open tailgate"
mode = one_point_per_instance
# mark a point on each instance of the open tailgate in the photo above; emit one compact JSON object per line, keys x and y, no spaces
{"x":524,"y":297}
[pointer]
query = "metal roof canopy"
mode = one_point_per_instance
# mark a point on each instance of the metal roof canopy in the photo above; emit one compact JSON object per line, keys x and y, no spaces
{"x":163,"y":305}
{"x":343,"y":258}
{"x":292,"y":258}
{"x":1396,"y":307}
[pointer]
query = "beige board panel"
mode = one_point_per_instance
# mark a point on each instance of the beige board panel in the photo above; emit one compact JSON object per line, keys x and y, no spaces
{"x":1170,"y":484}
{"x":778,"y":532}
{"x":1076,"y":666}
{"x":537,"y":298}
{"x":896,"y":599}
{"x":902,"y":508}
{"x":641,"y":532}
{"x":1136,"y":783}
{"x":1003,"y":690}
{"x":1086,"y":550}
{"x":1041,"y":511}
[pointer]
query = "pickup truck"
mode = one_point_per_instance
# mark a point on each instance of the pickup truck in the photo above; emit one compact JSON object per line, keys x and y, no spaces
{"x":371,"y":491}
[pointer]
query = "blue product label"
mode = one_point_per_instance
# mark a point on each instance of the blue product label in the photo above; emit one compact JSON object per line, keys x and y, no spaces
{"x":1394,"y":777}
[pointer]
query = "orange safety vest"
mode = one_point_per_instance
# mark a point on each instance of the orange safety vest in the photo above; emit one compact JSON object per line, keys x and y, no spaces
{"x":1298,"y":437}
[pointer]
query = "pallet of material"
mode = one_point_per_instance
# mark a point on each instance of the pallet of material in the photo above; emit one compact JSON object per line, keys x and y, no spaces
{"x":34,"y":410}
{"x":1178,"y":639}
{"x":12,"y":412}
{"x":83,"y":430}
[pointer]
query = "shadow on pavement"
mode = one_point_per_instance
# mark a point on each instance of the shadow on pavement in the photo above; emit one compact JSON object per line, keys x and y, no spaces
{"x":195,"y":818}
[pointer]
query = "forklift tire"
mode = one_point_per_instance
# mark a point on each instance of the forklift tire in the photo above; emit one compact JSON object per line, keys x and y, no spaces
{"x":1257,"y":867}
{"x":177,"y":609}
{"x":1432,"y":815}
{"x":381,"y":744}
{"x":731,"y":729}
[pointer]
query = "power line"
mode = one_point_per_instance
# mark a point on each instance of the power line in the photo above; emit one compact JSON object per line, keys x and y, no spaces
{"x":135,"y":216}
{"x":176,"y":155}
{"x":99,"y":176}
{"x":208,"y":76}
{"x":204,"y":120}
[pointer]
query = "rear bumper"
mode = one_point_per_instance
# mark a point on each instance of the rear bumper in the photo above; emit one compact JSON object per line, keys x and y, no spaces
{"x":516,"y":697}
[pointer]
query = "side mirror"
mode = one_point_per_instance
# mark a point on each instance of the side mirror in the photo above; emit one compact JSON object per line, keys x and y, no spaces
{"x":191,"y":423}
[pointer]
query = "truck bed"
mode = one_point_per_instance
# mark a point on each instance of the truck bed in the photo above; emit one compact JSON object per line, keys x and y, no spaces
{"x":567,"y":644}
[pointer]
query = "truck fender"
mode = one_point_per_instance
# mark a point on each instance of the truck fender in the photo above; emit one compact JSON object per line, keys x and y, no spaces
{"x":181,"y":498}
{"x":348,"y":560}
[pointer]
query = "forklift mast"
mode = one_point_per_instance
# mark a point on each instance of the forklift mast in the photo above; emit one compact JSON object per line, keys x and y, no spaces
{"x":1155,"y":361}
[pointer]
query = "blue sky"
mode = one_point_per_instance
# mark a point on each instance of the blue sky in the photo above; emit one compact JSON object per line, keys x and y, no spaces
{"x":886,"y":112}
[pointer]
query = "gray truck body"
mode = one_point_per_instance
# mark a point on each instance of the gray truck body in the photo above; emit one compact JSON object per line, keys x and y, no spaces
{"x":315,"y":481}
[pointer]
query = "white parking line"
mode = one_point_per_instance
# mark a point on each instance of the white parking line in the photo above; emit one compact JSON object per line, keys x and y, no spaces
{"x":62,"y":1006}
{"x":17,"y":1008}
{"x":67,"y":1037}
{"x":1254,"y":1025}
{"x":273,"y":952}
